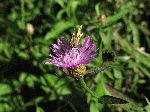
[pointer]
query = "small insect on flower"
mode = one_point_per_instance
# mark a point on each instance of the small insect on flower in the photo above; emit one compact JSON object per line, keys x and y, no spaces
{"x":70,"y":56}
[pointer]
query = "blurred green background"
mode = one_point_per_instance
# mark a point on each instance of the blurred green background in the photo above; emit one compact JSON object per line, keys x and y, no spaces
{"x":27,"y":29}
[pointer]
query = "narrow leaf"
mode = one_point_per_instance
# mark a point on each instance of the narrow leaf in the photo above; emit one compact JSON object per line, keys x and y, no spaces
{"x":96,"y":70}
{"x":148,"y":102}
{"x":117,"y":94}
{"x":106,"y":99}
{"x":39,"y":109}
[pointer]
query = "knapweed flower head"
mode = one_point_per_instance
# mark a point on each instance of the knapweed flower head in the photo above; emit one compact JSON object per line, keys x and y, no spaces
{"x":72,"y":56}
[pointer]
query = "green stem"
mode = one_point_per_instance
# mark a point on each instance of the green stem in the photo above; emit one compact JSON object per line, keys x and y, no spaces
{"x":22,"y":11}
{"x":87,"y":88}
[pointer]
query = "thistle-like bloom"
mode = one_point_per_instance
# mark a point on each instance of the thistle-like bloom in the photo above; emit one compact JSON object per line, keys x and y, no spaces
{"x":71,"y":56}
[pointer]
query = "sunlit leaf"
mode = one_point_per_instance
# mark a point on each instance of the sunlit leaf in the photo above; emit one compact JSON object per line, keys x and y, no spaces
{"x":39,"y":109}
{"x":5,"y":89}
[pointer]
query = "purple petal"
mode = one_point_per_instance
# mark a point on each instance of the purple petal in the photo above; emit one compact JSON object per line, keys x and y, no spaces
{"x":86,"y":44}
{"x":66,"y":56}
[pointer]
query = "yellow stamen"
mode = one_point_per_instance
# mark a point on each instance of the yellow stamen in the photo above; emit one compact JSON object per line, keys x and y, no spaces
{"x":76,"y":37}
{"x":77,"y":72}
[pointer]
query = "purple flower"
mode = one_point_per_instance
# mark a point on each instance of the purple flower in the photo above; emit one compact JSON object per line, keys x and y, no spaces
{"x":65,"y":55}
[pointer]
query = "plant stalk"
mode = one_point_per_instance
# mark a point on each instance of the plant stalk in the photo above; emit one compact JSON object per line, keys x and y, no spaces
{"x":87,"y":88}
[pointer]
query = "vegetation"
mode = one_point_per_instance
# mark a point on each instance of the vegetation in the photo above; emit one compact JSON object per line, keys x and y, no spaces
{"x":29,"y":27}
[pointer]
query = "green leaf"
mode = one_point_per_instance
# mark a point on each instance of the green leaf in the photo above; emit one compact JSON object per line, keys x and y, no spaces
{"x":5,"y":89}
{"x":135,"y":34}
{"x":4,"y":107}
{"x":118,"y":74}
{"x":64,"y":91}
{"x":148,"y":106}
{"x":94,"y":107}
{"x":60,"y":14}
{"x":100,"y":88}
{"x":147,"y":101}
{"x":21,"y":24}
{"x":39,"y":109}
{"x":97,"y":9}
{"x":121,"y":13}
{"x":117,"y":93}
{"x":60,"y":2}
{"x":106,"y":40}
{"x":111,"y":100}
{"x":53,"y":82}
{"x":72,"y":7}
{"x":131,"y":105}
{"x":96,"y":70}
{"x":22,"y":54}
{"x":22,"y":77}
{"x":83,"y":2}
{"x":30,"y":80}
{"x":58,"y":28}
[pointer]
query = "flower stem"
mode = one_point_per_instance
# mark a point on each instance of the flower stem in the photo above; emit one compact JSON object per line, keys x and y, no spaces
{"x":22,"y":10}
{"x":87,"y":88}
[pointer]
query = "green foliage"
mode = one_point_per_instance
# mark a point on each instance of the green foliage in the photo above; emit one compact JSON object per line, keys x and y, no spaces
{"x":5,"y":89}
{"x":28,"y":27}
{"x":39,"y":109}
{"x":147,"y":107}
